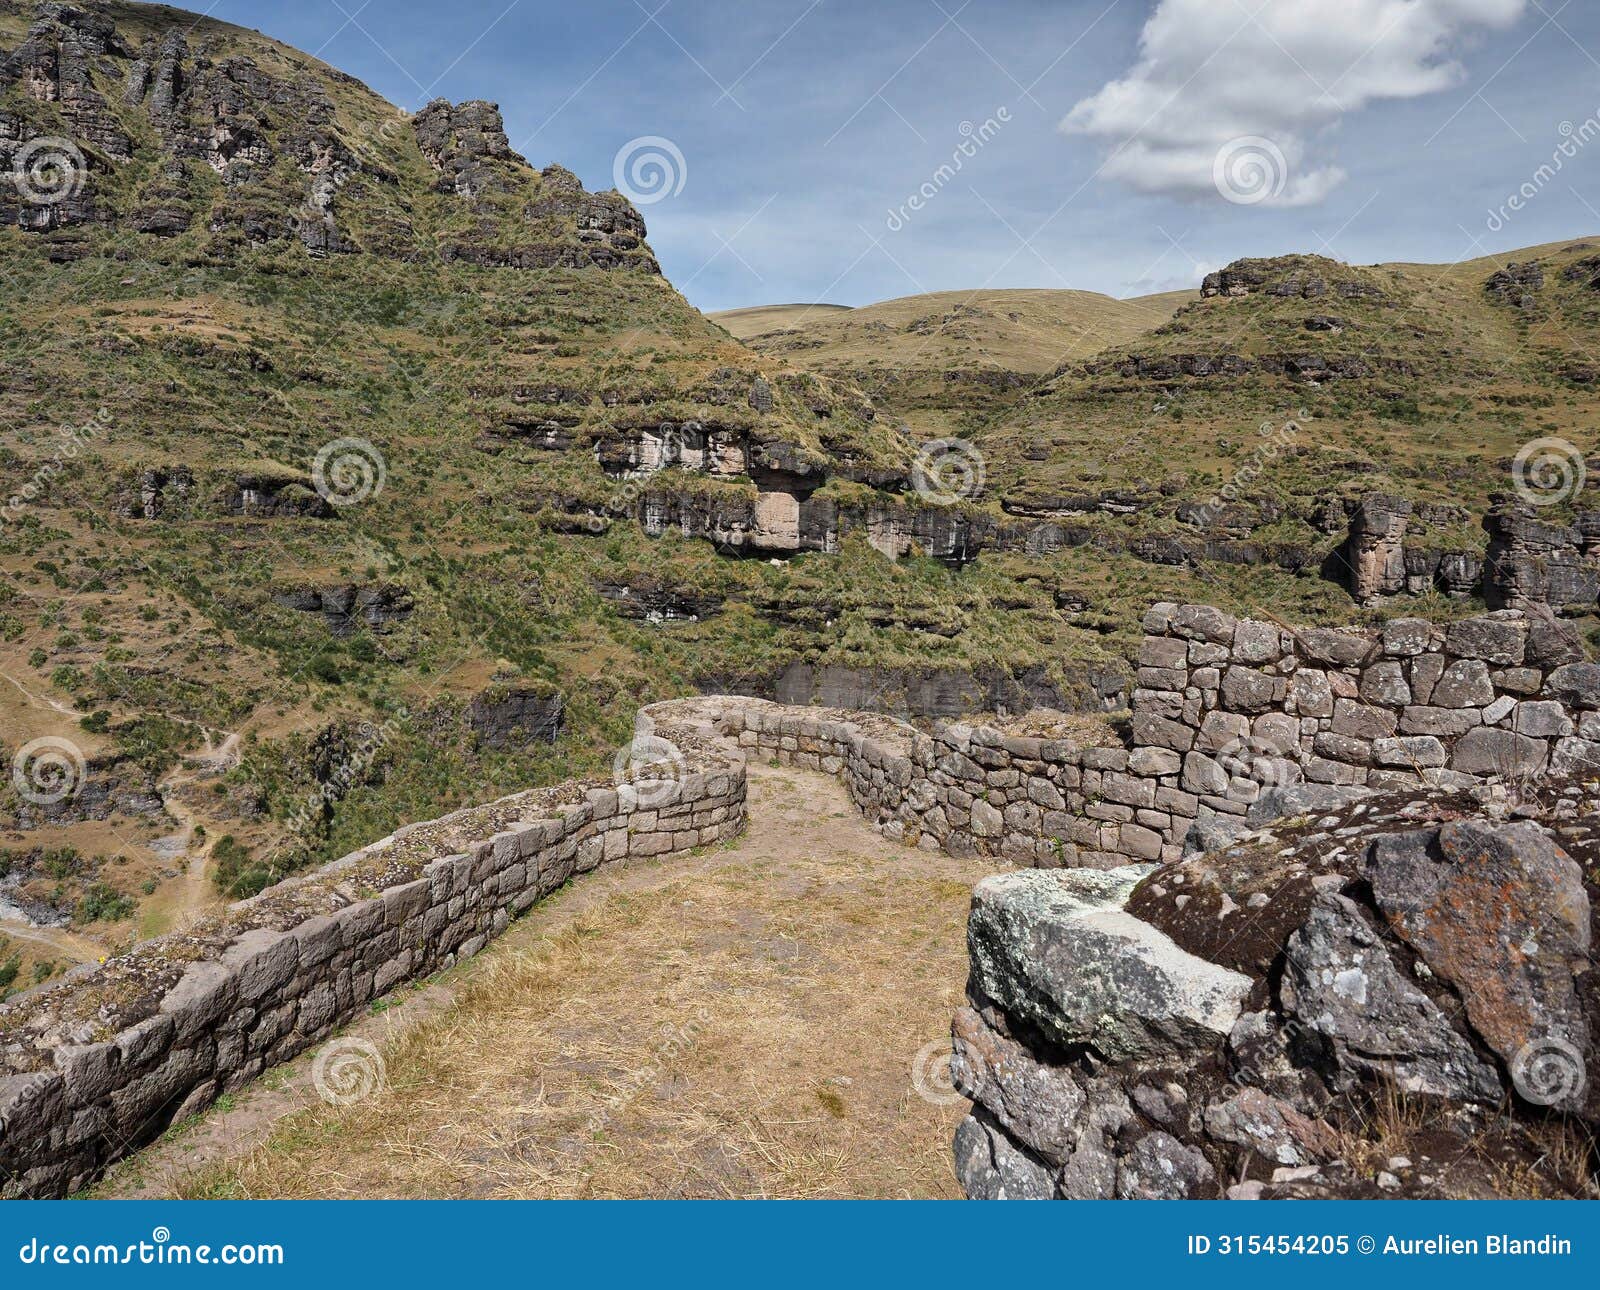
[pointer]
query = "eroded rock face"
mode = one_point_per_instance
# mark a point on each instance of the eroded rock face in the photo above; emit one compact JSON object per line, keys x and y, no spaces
{"x":1531,"y":562}
{"x":346,"y":607}
{"x":1412,"y":946}
{"x":179,"y":109}
{"x":1376,"y":547}
{"x":512,"y":715}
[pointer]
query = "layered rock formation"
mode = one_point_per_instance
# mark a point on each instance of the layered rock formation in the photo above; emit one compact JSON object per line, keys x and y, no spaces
{"x":247,"y":142}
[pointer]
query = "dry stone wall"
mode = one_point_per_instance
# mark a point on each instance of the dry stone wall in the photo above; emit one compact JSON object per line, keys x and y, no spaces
{"x":1230,"y":716}
{"x":104,"y":1060}
{"x":1232,"y":721}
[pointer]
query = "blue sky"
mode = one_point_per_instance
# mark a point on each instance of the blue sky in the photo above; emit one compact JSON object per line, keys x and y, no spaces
{"x":1095,"y":131}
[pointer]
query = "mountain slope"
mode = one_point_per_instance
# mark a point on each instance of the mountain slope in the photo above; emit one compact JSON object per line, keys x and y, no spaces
{"x":947,"y":360}
{"x":352,"y":469}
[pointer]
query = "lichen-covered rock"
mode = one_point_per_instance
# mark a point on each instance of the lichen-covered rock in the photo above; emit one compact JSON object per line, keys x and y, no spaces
{"x":1340,"y":983}
{"x":1037,"y":1104}
{"x":989,"y":1166}
{"x":1057,"y":952}
{"x":1500,"y":912}
{"x":1161,"y":1168}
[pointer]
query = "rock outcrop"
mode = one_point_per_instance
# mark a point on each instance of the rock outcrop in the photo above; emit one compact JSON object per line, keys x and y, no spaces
{"x":1392,"y":997}
{"x":186,"y":134}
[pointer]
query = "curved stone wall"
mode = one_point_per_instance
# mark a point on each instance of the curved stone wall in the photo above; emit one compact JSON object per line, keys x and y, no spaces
{"x":1225,"y":711}
{"x":95,"y":1065}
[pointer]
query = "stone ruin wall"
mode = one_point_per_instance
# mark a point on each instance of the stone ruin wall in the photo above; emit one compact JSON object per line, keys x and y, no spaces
{"x":95,"y":1065}
{"x":1225,"y":710}
{"x":99,"y":1063}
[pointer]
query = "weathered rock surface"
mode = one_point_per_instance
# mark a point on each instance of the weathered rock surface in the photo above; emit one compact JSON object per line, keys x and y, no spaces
{"x":1057,"y":952}
{"x":1417,"y":945}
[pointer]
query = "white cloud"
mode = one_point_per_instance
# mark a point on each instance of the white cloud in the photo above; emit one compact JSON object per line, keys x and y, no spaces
{"x":1279,"y":73}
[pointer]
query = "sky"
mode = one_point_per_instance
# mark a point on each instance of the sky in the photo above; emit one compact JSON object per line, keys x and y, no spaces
{"x":856,"y":150}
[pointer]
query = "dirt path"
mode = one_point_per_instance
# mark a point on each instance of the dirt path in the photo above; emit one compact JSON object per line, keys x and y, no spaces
{"x":766,"y":1019}
{"x":42,"y":700}
{"x":80,"y":949}
{"x":198,"y":896}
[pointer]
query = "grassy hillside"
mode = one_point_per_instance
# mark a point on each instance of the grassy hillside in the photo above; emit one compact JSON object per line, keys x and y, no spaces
{"x":1424,"y":380}
{"x":353,"y":469}
{"x":945,"y":361}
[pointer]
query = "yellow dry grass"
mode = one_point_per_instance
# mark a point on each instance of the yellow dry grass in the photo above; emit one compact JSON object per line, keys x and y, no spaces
{"x":1015,"y":330}
{"x":742,"y":1023}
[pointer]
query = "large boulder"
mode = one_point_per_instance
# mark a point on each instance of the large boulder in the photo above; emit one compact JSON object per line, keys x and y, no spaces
{"x":1340,"y":983}
{"x":1057,"y":951}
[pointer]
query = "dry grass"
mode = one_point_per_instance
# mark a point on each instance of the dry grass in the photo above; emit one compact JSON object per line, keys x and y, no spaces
{"x":741,"y":1024}
{"x":1017,"y":330}
{"x":1507,"y":1158}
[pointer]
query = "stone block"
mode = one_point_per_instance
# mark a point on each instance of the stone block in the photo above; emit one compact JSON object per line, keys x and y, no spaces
{"x":1465,"y":684}
{"x":1362,"y":720}
{"x":1499,"y":752}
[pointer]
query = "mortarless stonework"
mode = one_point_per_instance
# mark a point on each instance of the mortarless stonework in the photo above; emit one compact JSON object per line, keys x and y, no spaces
{"x":1233,"y":721}
{"x":95,"y":1065}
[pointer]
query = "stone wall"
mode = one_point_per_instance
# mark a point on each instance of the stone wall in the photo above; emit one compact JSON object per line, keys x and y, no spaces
{"x":1233,"y":721}
{"x":1227,"y":713}
{"x":101,"y":1062}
